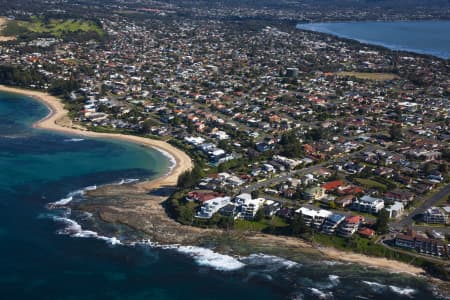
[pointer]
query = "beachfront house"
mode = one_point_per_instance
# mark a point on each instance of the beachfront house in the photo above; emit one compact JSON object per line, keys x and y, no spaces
{"x":210,"y":207}
{"x":313,"y":216}
{"x":350,"y":225}
{"x":332,"y":223}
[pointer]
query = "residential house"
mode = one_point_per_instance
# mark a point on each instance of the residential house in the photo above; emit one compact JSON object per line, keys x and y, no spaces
{"x":350,"y":225}
{"x":368,"y":204}
{"x":435,"y":215}
{"x":210,"y":207}
{"x":413,"y":241}
{"x":313,"y":193}
{"x":314,"y":216}
{"x":395,"y":210}
{"x":332,"y":223}
{"x":398,"y":195}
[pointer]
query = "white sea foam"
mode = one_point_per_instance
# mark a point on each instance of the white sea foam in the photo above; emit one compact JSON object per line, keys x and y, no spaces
{"x":207,"y":257}
{"x":63,"y":201}
{"x":74,"y":229}
{"x":321,"y":295}
{"x":375,"y":286}
{"x":173,"y":161}
{"x":332,"y":262}
{"x":73,"y":140}
{"x":402,"y":291}
{"x":90,"y":188}
{"x":269,"y":261}
{"x":127,"y":181}
{"x":70,"y":196}
{"x":334,"y":279}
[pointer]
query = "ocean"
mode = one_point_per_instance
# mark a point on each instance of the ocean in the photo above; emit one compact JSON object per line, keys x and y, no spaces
{"x":425,"y":37}
{"x":56,"y":254}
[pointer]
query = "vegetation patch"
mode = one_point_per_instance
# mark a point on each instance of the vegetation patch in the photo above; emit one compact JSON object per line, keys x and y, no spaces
{"x":60,"y":28}
{"x":369,"y":76}
{"x":368,"y":183}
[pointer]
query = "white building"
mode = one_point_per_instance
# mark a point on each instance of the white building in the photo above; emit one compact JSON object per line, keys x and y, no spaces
{"x":314,"y":217}
{"x":248,"y":206}
{"x":368,"y":204}
{"x":210,"y":207}
{"x":396,"y":210}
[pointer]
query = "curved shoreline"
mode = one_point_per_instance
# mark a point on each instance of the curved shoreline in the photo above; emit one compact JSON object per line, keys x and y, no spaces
{"x":57,"y":113}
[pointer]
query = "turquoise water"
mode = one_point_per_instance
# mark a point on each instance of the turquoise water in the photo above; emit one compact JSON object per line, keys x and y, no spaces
{"x":425,"y":37}
{"x":47,"y":255}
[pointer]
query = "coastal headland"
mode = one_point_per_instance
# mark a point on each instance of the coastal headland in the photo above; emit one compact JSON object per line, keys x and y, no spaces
{"x":140,"y":206}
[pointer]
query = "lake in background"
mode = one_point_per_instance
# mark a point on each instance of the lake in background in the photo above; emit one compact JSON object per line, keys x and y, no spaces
{"x":425,"y":37}
{"x":59,"y":254}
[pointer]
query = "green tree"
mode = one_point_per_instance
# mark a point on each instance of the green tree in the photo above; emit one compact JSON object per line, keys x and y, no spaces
{"x":189,"y":178}
{"x":382,"y":224}
{"x":298,"y":226}
{"x":255,"y":194}
{"x":259,"y":215}
{"x":333,"y":205}
{"x":395,"y":132}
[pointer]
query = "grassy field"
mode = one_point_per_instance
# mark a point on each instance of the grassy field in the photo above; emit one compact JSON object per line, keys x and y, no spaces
{"x":368,"y":183}
{"x":369,"y":76}
{"x":54,"y":27}
{"x":260,"y":225}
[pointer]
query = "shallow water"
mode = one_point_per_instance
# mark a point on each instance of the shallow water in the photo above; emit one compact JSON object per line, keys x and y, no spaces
{"x":60,"y":254}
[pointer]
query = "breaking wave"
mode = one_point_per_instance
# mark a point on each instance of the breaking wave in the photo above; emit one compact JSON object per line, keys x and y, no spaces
{"x":269,"y":260}
{"x":320,"y":294}
{"x":207,"y":257}
{"x":127,"y":181}
{"x":375,"y":286}
{"x":402,"y":291}
{"x":74,"y":229}
{"x":334,"y":279}
{"x":74,"y":140}
{"x":71,"y":196}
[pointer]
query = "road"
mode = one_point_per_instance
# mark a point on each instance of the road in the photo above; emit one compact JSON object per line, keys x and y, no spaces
{"x":408,"y":221}
{"x":283,"y":177}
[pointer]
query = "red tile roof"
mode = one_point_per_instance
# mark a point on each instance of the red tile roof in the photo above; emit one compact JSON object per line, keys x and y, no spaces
{"x":367,"y":232}
{"x":332,"y":185}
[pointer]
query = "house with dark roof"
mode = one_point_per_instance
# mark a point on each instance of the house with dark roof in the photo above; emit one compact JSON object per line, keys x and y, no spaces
{"x":411,"y":240}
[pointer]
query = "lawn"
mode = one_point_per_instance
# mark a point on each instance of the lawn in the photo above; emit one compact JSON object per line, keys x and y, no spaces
{"x":368,"y":183}
{"x":54,"y":27}
{"x":259,"y":225}
{"x":369,"y":76}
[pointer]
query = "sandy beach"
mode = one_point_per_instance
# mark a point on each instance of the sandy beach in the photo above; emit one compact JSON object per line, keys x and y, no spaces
{"x":3,"y":22}
{"x":58,"y":120}
{"x":378,"y":262}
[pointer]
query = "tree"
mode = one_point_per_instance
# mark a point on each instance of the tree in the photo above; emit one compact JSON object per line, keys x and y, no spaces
{"x":395,"y":132}
{"x":189,"y":178}
{"x":226,"y":223}
{"x":259,"y":215}
{"x":255,"y":194}
{"x":290,"y":145}
{"x":382,"y":224}
{"x":147,"y":125}
{"x":298,"y":225}
{"x":333,"y":205}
